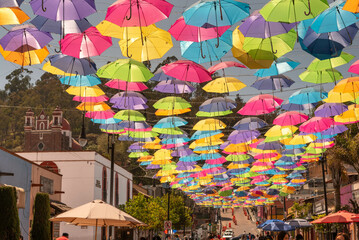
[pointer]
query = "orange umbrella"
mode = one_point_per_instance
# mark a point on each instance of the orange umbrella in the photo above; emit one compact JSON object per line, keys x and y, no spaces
{"x":12,"y":15}
{"x":351,"y":6}
{"x":25,"y":58}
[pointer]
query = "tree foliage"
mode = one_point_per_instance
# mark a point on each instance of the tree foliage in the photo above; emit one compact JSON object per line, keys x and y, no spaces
{"x":9,"y":217}
{"x":41,"y":224}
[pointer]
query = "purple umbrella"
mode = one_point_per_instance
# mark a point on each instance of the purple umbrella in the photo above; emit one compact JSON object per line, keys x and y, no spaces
{"x":129,"y":100}
{"x":218,"y":104}
{"x":256,"y":26}
{"x":330,"y":109}
{"x":60,"y":10}
{"x":272,"y":83}
{"x":134,"y":125}
{"x":181,"y":152}
{"x":275,"y":145}
{"x":73,"y":65}
{"x":335,"y":129}
{"x":174,"y":86}
{"x":243,"y":136}
{"x":136,"y":146}
{"x":296,"y":107}
{"x":151,"y":166}
{"x":324,"y":140}
{"x":250,"y":123}
{"x":25,"y":38}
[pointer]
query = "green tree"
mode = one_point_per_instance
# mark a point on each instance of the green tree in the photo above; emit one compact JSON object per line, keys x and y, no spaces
{"x":9,"y":217}
{"x":138,"y":207}
{"x":41,"y":225}
{"x":180,"y":214}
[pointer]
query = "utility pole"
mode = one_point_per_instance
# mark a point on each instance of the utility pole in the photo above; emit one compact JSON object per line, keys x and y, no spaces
{"x":322,"y":160}
{"x":112,"y":148}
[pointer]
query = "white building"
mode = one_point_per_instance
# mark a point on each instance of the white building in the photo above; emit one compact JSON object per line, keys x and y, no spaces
{"x":85,"y":177}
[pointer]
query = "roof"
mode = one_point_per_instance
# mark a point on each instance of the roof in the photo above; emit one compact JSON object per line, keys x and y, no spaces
{"x":140,"y":190}
{"x":59,"y":206}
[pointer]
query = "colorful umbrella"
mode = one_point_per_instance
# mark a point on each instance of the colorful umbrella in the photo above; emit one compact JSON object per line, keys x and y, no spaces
{"x":12,"y":15}
{"x":307,"y":95}
{"x":86,"y":44}
{"x":73,"y":65}
{"x":174,"y":86}
{"x":186,"y":70}
{"x":80,"y":80}
{"x":290,"y":118}
{"x":275,"y":82}
{"x":60,"y":27}
{"x":321,"y":76}
{"x":126,"y":86}
{"x":317,"y":64}
{"x":25,"y":58}
{"x":224,"y":85}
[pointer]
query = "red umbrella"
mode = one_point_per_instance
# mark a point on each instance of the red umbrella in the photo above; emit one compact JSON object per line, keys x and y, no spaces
{"x":87,"y":44}
{"x":223,"y":65}
{"x":338,"y":217}
{"x":187,"y":70}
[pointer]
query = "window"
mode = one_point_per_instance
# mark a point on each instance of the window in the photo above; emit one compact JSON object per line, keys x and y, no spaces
{"x":128,"y":189}
{"x":117,"y":194}
{"x":47,"y":185}
{"x":104,"y":184}
{"x":42,"y":126}
{"x":40,"y":146}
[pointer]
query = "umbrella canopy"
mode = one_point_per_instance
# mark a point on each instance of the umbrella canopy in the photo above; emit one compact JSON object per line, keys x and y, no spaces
{"x":174,"y":86}
{"x":338,"y":217}
{"x":307,"y":95}
{"x":187,"y":70}
{"x":12,"y":15}
{"x":330,"y":109}
{"x":275,"y":82}
{"x":290,"y":11}
{"x":279,"y":66}
{"x":10,"y":3}
{"x":60,"y":27}
{"x":126,"y":86}
{"x":330,"y":63}
{"x":216,"y":13}
{"x":351,"y":6}
{"x":25,"y":58}
{"x":290,"y":118}
{"x":138,"y":13}
{"x":86,"y":44}
{"x":74,"y":65}
{"x":128,"y":70}
{"x":80,"y":80}
{"x":97,"y":213}
{"x":277,"y":227}
{"x":209,"y":50}
{"x":322,"y":76}
{"x":60,"y":10}
{"x":184,"y":32}
{"x":223,"y":65}
{"x":224,"y":85}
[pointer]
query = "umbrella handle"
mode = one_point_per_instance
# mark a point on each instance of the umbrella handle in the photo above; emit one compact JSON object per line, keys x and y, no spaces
{"x":127,"y":53}
{"x":128,"y":18}
{"x":217,"y":44}
{"x":202,"y":55}
{"x":310,"y":10}
{"x":57,"y":51}
{"x":43,"y":7}
{"x":220,"y":9}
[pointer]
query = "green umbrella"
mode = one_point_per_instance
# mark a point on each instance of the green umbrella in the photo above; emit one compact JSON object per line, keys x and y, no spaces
{"x":249,"y":174}
{"x":130,"y":115}
{"x":322,"y":76}
{"x":236,"y":158}
{"x":290,"y":11}
{"x":128,"y":70}
{"x":170,"y":131}
{"x":171,"y":103}
{"x":270,"y":48}
{"x":277,"y":138}
{"x":213,"y":114}
{"x":138,"y":154}
{"x":300,"y":168}
{"x":317,"y":64}
{"x":149,"y":134}
{"x":276,"y":186}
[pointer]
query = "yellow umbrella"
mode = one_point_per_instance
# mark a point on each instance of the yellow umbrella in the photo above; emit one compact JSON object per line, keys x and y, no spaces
{"x":145,"y":158}
{"x":337,"y":97}
{"x":206,"y":151}
{"x":209,"y":124}
{"x":224,"y":85}
{"x":238,"y":52}
{"x":206,"y":144}
{"x":149,"y":45}
{"x":12,"y":15}
{"x":348,"y":85}
{"x":209,"y":139}
{"x":164,"y":112}
{"x":302,"y":139}
{"x":167,"y":179}
{"x":54,"y":70}
{"x":239,"y":147}
{"x":320,"y":145}
{"x":243,"y":188}
{"x":288,"y":189}
{"x":351,"y":115}
{"x":237,"y":166}
{"x":161,"y":162}
{"x":93,"y":91}
{"x":162,"y":154}
{"x":352,"y":6}
{"x":277,"y":130}
{"x":26,"y":58}
{"x":93,"y":107}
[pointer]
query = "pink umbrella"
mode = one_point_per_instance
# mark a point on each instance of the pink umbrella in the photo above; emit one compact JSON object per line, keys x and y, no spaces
{"x":216,"y":161}
{"x":354,"y":68}
{"x":187,"y":70}
{"x":102,"y":98}
{"x":126,"y":86}
{"x":316,"y":124}
{"x":169,"y":146}
{"x":259,"y":163}
{"x":265,"y":155}
{"x":127,"y":13}
{"x":100,"y":115}
{"x":87,"y":44}
{"x":183,"y":32}
{"x":223,"y":65}
{"x":260,"y":104}
{"x":290,"y":118}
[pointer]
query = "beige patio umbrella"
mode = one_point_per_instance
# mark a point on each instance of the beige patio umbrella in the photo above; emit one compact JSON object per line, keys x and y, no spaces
{"x":99,"y":214}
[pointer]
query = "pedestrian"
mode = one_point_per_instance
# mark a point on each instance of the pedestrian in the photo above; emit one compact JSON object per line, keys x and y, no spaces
{"x":268,"y":237}
{"x":342,"y":236}
{"x":257,"y":237}
{"x":65,"y":236}
{"x":249,"y":236}
{"x":299,"y":237}
{"x":244,"y":237}
{"x":283,"y":236}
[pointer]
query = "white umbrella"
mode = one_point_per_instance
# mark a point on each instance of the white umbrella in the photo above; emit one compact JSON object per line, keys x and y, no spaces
{"x":99,"y":214}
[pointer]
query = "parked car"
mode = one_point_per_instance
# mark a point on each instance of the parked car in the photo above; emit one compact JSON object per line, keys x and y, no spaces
{"x":228,"y":234}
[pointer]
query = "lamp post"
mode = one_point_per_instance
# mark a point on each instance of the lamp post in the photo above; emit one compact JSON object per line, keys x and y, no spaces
{"x":82,"y":137}
{"x":322,"y":160}
{"x":111,"y":146}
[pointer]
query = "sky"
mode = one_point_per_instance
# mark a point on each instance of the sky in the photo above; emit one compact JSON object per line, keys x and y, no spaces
{"x":245,"y":75}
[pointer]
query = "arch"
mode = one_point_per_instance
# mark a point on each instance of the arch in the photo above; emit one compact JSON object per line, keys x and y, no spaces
{"x":42,"y":126}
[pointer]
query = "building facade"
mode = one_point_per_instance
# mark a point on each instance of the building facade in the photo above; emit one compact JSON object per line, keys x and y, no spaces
{"x":86,"y":177}
{"x":31,"y":178}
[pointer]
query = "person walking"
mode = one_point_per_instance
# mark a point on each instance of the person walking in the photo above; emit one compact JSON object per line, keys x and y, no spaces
{"x":268,"y":237}
{"x":65,"y":236}
{"x":283,"y":236}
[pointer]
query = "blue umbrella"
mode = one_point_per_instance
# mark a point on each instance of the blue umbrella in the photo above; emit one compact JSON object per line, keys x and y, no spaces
{"x":79,"y":80}
{"x":307,"y":95}
{"x":330,"y":44}
{"x":278,"y":227}
{"x":217,"y":104}
{"x":216,"y":13}
{"x":161,"y":76}
{"x":279,"y":66}
{"x":303,"y":27}
{"x":250,"y":123}
{"x":68,"y":64}
{"x":334,"y":19}
{"x":269,"y":222}
{"x":209,"y":50}
{"x":295,"y":151}
{"x":10,"y":3}
{"x":272,"y":83}
{"x":203,"y":134}
{"x":296,"y":107}
{"x":170,"y":122}
{"x":190,"y":158}
{"x":106,"y":121}
{"x":71,"y":26}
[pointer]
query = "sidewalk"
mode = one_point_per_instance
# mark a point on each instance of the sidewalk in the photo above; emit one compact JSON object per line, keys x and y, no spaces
{"x":243,"y":224}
